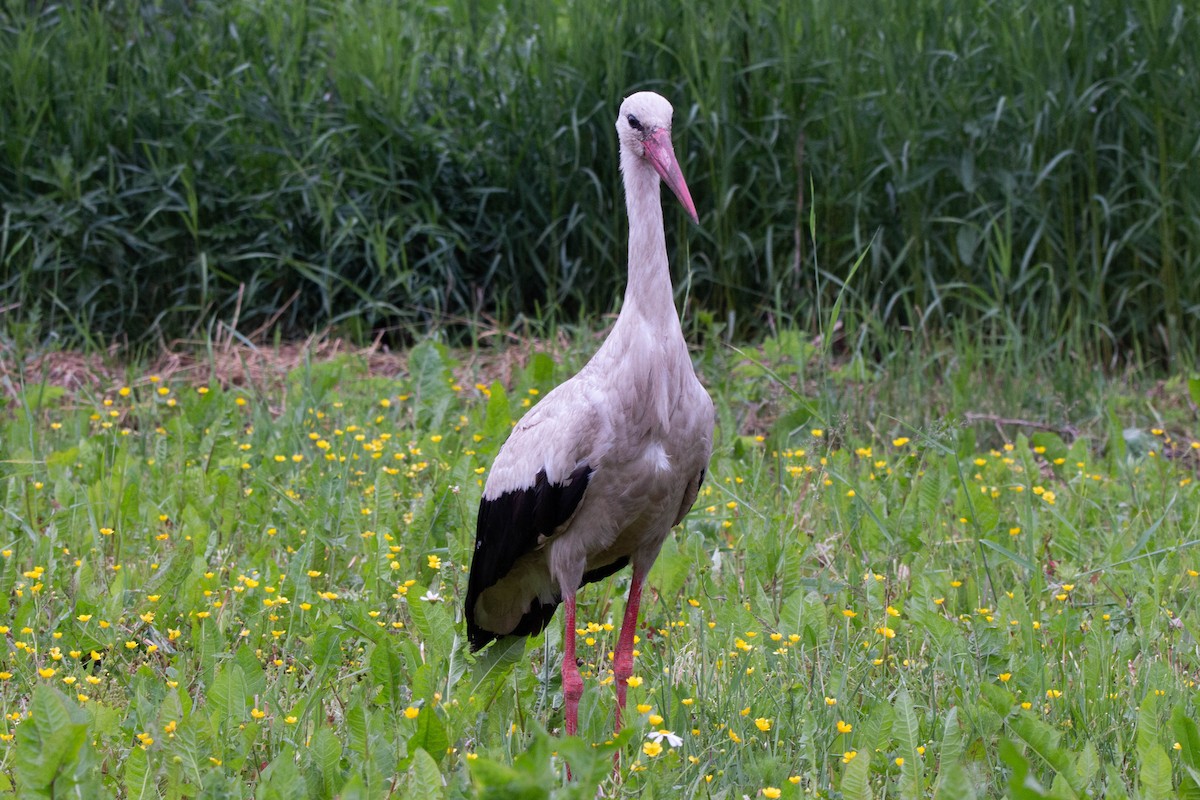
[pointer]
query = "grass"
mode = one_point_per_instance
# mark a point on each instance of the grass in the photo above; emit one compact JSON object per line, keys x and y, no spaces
{"x":399,"y":169}
{"x":235,"y":592}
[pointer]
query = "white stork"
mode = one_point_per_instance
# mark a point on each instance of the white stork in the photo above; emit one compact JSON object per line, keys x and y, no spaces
{"x":595,"y":475}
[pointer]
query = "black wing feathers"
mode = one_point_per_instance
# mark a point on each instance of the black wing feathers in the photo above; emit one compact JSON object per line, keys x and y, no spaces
{"x":508,"y":527}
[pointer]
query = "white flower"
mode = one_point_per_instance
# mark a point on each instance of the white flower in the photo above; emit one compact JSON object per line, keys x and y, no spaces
{"x":431,"y":596}
{"x":661,"y":734}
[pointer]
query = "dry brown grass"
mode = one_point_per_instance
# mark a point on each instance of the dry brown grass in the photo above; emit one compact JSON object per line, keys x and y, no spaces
{"x":233,"y":360}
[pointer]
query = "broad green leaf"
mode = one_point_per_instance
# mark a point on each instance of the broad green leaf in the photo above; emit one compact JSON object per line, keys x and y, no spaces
{"x":1189,"y":783}
{"x":424,"y":779}
{"x":855,"y":784}
{"x":908,"y":738}
{"x":52,"y":757}
{"x":875,"y":732}
{"x":1086,"y":767}
{"x":497,"y":421}
{"x":357,"y":722}
{"x":281,"y":780}
{"x":430,"y":735}
{"x":138,"y":780}
{"x":434,"y":624}
{"x":541,"y":370}
{"x":493,"y":665}
{"x":671,"y":570}
{"x":1154,"y":774}
{"x":1149,"y":732}
{"x":325,"y":752}
{"x":253,"y":675}
{"x":227,"y":698}
{"x":953,"y":783}
{"x":1043,"y":740}
{"x":431,"y":379}
{"x":1187,"y":734}
{"x":952,"y":737}
{"x":998,"y":698}
{"x":387,"y":672}
{"x":1114,"y":784}
{"x":1021,"y":784}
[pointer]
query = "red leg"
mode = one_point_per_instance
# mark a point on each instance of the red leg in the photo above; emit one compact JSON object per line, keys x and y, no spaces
{"x":623,"y":655}
{"x":572,"y":681}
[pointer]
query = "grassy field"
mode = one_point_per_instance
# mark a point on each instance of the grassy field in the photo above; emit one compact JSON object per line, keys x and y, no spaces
{"x":884,"y":590}
{"x":398,"y":168}
{"x":948,"y":549}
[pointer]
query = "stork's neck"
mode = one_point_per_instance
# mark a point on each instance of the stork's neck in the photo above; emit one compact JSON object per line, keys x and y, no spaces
{"x":648,"y":294}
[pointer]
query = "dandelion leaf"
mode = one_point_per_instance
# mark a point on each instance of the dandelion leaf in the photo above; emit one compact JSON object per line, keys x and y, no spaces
{"x":875,"y":733}
{"x":671,"y":570}
{"x":355,"y":789}
{"x":430,"y":736}
{"x":431,"y":379}
{"x":387,"y":672}
{"x":1086,"y":766}
{"x":433,"y":624}
{"x":252,"y":671}
{"x":1022,"y":785}
{"x":1154,"y":774}
{"x":62,"y":458}
{"x":358,"y":728}
{"x":531,"y":776}
{"x":210,"y":645}
{"x":52,"y":756}
{"x":423,"y":778}
{"x":494,"y":779}
{"x":952,"y":738}
{"x":1114,"y":784}
{"x":591,"y":763}
{"x":931,"y":493}
{"x":1187,"y":734}
{"x":816,"y":623}
{"x":325,"y":762}
{"x":998,"y":699}
{"x":954,"y":783}
{"x":1043,"y":740}
{"x":138,"y":779}
{"x":282,"y":780}
{"x":908,"y":738}
{"x":1149,"y":732}
{"x":497,"y":420}
{"x":493,"y":665}
{"x":326,"y":648}
{"x":855,"y":783}
{"x":227,"y":696}
{"x":540,"y":371}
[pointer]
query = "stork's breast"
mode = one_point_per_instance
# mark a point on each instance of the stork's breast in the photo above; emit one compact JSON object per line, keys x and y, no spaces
{"x":656,"y":457}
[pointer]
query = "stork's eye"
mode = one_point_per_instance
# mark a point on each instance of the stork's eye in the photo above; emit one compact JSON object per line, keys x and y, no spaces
{"x":633,"y":122}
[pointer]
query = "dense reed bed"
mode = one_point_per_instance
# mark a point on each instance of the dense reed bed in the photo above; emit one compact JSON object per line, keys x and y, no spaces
{"x":1028,"y":168}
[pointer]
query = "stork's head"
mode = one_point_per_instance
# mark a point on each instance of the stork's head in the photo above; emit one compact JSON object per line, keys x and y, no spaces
{"x":644,"y":130}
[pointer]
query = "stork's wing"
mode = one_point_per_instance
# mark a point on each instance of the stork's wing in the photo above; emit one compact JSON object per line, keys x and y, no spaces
{"x":536,"y":485}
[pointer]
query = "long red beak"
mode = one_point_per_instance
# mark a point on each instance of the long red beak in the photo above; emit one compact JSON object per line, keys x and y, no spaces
{"x":662,"y":158}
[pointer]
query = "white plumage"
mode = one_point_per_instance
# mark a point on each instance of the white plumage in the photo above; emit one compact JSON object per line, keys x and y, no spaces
{"x":598,"y":472}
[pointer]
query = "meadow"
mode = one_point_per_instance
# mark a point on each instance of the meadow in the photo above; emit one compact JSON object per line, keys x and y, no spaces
{"x":944,"y":291}
{"x":404,"y":169}
{"x":885,"y":589}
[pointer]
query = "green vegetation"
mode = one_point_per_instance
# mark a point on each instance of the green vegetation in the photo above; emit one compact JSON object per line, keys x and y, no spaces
{"x":255,"y":592}
{"x":398,"y":167}
{"x":947,"y":548}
